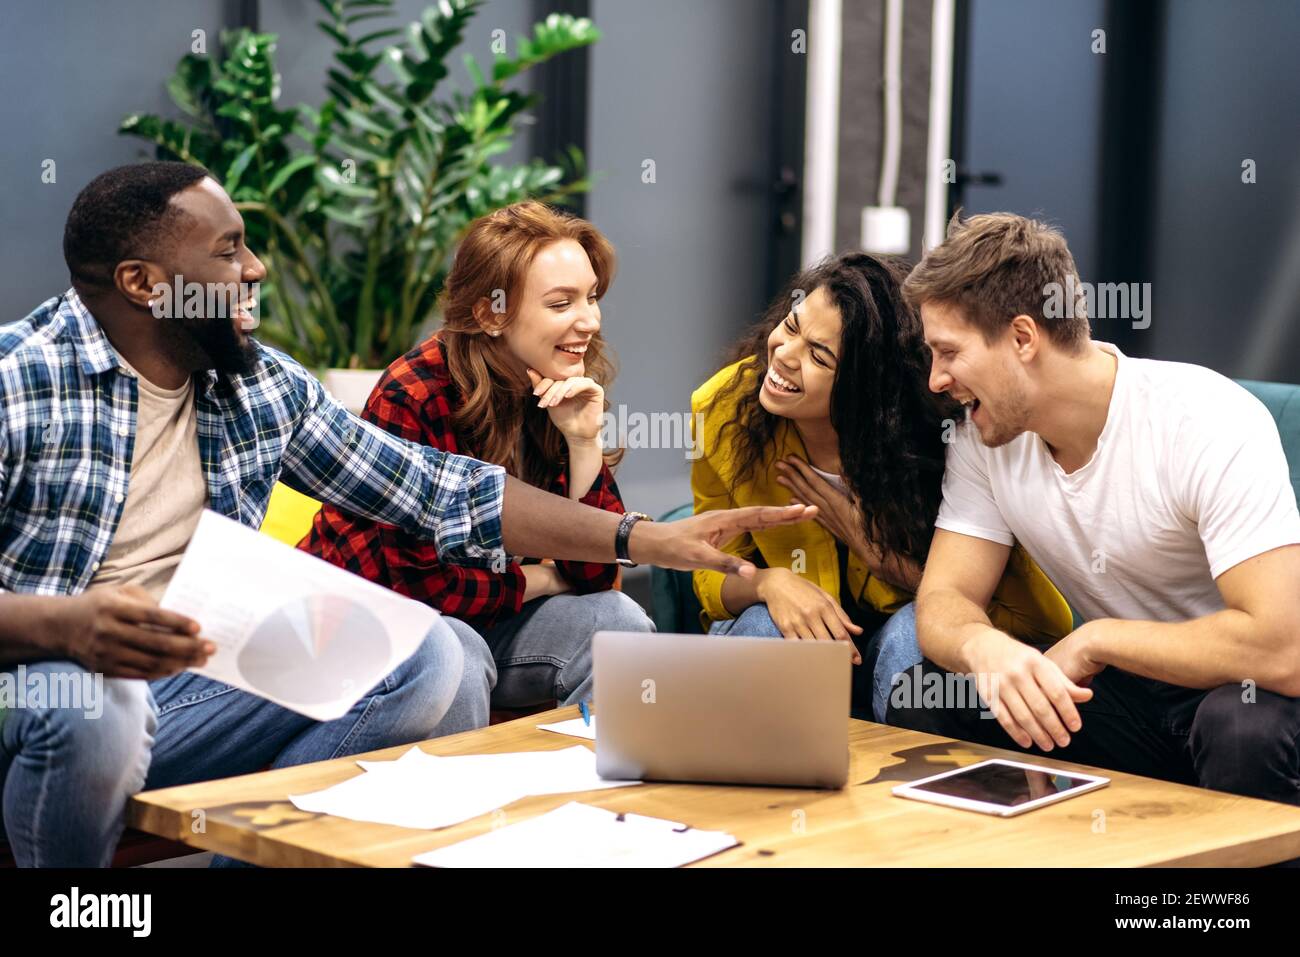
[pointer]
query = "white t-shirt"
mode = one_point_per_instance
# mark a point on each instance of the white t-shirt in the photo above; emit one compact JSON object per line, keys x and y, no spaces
{"x":1188,"y":480}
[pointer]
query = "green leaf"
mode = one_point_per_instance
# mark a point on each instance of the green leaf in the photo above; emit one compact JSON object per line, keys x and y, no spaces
{"x":286,"y":172}
{"x":172,"y":140}
{"x":378,"y":35}
{"x":358,"y":218}
{"x":397,"y":63}
{"x":426,"y":122}
{"x":371,"y":123}
{"x":439,"y":31}
{"x":559,"y":33}
{"x":236,"y":170}
{"x":354,"y":149}
{"x":358,"y":61}
{"x":345,"y":88}
{"x":383,"y":96}
{"x":546,"y":177}
{"x":369,"y":15}
{"x":473,"y":69}
{"x":332,"y":179}
{"x":338,"y":34}
{"x":236,"y":111}
{"x":190,"y":83}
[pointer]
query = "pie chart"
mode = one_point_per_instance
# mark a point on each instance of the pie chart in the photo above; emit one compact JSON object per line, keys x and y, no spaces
{"x":315,"y":649}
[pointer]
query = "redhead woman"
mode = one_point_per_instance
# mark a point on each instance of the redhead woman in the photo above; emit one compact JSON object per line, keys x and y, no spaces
{"x":826,"y":404}
{"x":516,"y":376}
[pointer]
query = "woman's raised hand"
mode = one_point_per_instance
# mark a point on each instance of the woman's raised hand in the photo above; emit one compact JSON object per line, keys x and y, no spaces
{"x":836,"y":512}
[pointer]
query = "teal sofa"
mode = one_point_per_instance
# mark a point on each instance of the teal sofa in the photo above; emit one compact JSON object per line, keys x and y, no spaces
{"x":1283,"y":401}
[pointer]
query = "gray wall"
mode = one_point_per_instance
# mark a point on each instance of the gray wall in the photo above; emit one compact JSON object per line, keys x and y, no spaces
{"x":71,"y":72}
{"x":1226,"y":257}
{"x":1034,"y":115}
{"x":687,"y":85}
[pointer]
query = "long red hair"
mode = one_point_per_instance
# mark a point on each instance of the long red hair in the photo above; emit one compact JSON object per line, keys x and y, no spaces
{"x":494,"y":412}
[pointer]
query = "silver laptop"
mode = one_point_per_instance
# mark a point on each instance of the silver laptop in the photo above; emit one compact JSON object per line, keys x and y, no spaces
{"x":722,"y":710}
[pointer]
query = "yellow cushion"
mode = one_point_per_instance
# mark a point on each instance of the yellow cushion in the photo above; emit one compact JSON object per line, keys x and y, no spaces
{"x":289,"y":515}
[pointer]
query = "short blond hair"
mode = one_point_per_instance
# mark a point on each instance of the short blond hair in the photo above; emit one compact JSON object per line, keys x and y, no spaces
{"x":996,"y":266}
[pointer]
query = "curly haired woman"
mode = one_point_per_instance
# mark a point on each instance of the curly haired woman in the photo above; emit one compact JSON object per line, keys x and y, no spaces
{"x":826,"y":404}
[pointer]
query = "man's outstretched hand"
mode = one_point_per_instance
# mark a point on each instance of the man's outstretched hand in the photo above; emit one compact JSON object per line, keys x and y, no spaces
{"x":541,"y":525}
{"x":694,"y":542}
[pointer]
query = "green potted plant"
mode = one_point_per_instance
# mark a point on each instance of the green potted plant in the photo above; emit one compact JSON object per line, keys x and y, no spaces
{"x":357,"y":206}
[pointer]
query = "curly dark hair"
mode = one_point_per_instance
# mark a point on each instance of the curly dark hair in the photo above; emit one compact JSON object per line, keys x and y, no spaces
{"x":890,"y":426}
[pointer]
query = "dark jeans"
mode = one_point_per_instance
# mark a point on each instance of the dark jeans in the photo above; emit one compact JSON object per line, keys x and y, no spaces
{"x":1213,"y":739}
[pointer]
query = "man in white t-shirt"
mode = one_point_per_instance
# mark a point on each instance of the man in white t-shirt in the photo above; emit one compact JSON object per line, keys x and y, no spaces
{"x":1154,"y":494}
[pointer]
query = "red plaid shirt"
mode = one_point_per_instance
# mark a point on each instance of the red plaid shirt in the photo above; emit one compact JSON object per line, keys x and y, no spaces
{"x":415,"y":399}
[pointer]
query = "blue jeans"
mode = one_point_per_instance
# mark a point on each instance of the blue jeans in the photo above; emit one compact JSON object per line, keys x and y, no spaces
{"x":894,"y":646}
{"x":66,"y":778}
{"x":543,"y":653}
{"x":65,"y":775}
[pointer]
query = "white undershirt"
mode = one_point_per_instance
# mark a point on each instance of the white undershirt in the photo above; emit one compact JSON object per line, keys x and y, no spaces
{"x":836,"y":480}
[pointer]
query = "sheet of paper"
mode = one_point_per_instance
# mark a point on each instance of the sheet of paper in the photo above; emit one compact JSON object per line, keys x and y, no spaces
{"x":416,"y":796}
{"x":288,"y":626}
{"x":579,"y":835}
{"x":575,"y":726}
{"x":428,"y":791}
{"x":543,"y":772}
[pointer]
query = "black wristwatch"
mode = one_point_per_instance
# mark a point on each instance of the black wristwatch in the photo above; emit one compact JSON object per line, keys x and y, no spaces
{"x":624,"y":531}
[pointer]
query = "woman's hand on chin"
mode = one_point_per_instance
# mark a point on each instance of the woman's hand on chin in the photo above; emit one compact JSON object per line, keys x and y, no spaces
{"x":575,"y":405}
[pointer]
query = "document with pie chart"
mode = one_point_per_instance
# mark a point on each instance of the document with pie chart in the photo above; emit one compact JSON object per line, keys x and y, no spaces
{"x":288,"y":626}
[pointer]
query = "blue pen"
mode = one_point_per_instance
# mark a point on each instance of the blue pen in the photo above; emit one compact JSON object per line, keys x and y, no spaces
{"x":586,"y":712}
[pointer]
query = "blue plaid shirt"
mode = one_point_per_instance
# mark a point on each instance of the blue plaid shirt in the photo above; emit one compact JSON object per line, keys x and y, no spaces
{"x":67,"y":431}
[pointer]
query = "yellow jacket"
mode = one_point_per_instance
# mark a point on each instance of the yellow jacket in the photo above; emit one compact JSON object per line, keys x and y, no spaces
{"x":1026,"y":604}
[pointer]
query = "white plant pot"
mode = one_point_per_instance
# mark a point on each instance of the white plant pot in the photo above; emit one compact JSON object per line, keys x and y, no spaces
{"x":351,"y":387}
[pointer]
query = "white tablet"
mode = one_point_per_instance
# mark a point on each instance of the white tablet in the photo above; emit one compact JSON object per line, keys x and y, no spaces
{"x":1001,"y":787}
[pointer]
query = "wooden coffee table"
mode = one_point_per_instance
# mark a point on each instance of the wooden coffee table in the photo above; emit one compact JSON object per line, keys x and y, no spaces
{"x":1134,"y":822}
